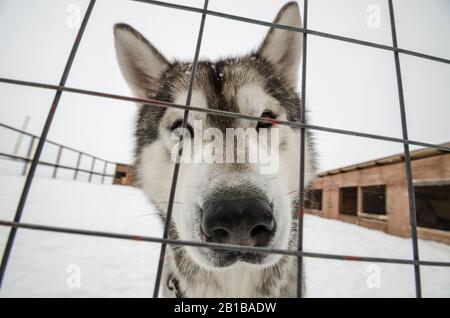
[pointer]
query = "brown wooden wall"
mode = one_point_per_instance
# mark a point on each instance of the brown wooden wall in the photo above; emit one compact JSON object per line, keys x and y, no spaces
{"x":123,"y":175}
{"x":433,"y":169}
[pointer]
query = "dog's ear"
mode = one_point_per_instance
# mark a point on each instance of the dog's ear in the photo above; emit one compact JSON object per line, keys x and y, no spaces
{"x":140,"y":62}
{"x":282,"y":48}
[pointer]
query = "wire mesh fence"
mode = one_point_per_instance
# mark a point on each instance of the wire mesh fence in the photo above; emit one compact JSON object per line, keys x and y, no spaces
{"x":299,"y":253}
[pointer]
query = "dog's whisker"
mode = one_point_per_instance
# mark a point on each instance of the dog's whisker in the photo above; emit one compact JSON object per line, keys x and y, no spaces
{"x":278,"y":175}
{"x":293,"y":191}
{"x":138,"y":217}
{"x":168,"y":202}
{"x":175,"y":250}
{"x":181,"y":264}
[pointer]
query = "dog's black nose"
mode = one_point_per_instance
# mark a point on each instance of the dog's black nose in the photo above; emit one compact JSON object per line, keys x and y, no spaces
{"x":247,"y":222}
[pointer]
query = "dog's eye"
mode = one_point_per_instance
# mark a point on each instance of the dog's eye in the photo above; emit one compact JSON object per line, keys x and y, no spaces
{"x":178,"y":124}
{"x":269,"y":115}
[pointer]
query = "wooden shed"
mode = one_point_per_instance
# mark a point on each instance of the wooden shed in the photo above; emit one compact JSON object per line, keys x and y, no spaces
{"x":374,"y":194}
{"x":123,"y":174}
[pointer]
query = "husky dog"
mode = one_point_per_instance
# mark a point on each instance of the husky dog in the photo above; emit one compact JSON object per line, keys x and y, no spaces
{"x":215,"y":202}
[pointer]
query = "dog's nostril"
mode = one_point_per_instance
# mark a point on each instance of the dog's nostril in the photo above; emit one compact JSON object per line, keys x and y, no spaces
{"x":260,"y":230}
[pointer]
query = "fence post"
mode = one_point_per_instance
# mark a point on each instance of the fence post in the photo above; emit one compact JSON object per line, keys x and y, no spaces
{"x":19,"y":139}
{"x":104,"y":171}
{"x":92,"y":169}
{"x":30,"y":149}
{"x":58,"y":158}
{"x":75,"y":175}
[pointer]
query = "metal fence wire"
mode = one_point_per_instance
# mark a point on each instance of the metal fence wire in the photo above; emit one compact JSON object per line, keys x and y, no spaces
{"x":164,"y":241}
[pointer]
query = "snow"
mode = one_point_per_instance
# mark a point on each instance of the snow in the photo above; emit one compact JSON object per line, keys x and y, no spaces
{"x":42,"y":263}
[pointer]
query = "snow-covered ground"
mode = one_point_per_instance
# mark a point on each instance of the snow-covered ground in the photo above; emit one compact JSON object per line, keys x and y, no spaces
{"x":45,"y":264}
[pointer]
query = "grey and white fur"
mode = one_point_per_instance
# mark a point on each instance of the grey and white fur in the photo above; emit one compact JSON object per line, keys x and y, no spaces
{"x":262,"y":82}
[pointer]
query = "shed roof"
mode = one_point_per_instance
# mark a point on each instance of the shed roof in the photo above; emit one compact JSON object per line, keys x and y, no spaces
{"x":415,"y":154}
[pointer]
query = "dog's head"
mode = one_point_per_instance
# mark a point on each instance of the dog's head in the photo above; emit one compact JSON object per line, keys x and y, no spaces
{"x":222,"y":195}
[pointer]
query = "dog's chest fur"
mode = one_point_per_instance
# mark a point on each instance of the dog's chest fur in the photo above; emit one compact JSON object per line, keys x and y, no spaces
{"x":243,"y":280}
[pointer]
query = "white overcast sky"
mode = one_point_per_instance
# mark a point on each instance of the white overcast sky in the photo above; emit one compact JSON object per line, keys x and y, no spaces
{"x":348,"y":86}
